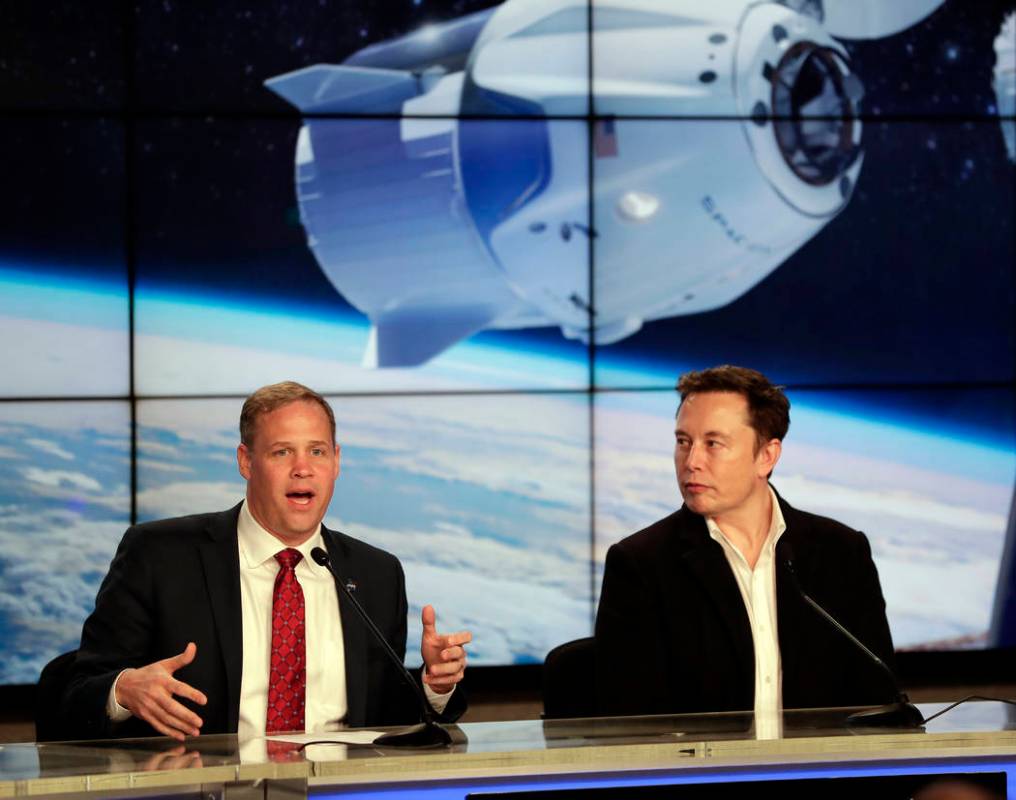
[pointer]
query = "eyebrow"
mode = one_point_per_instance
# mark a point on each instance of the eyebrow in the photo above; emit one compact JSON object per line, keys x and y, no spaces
{"x":712,"y":434}
{"x":284,"y":443}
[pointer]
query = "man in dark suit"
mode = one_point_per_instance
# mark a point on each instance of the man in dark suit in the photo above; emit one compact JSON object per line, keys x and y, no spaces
{"x":221,"y":622}
{"x":699,"y":612}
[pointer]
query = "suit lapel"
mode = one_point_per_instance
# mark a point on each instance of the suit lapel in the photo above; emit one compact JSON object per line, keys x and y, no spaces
{"x":221,"y":563}
{"x":790,"y":608}
{"x":354,"y":641}
{"x":707,"y":563}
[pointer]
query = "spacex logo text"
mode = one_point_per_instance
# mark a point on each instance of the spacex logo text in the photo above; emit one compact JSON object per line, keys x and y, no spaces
{"x":732,"y":233}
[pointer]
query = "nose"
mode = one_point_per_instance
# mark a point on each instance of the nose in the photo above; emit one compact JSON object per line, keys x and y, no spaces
{"x":302,"y":467}
{"x":693,"y":457}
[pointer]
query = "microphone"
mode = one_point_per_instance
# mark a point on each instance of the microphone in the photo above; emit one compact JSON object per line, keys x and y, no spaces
{"x":901,"y":713}
{"x":426,"y":734}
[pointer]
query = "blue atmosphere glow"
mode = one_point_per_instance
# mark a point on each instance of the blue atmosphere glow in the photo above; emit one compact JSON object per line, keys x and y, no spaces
{"x":62,"y":298}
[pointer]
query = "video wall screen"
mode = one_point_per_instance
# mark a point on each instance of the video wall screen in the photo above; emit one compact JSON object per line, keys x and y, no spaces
{"x":495,"y":234}
{"x":65,"y":499}
{"x":63,"y":57}
{"x":708,"y":259}
{"x":64,"y":304}
{"x":267,"y":249}
{"x":443,"y":58}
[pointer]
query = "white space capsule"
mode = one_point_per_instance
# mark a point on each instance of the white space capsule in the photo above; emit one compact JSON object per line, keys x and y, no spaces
{"x":465,"y":203}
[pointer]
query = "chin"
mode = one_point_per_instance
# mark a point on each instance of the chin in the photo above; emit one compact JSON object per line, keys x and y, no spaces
{"x":301,"y":527}
{"x":695,"y":504}
{"x":706,"y":506}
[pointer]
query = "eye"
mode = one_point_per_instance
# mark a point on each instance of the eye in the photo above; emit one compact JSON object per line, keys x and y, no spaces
{"x":281,"y":451}
{"x":318,"y":451}
{"x":682,"y":441}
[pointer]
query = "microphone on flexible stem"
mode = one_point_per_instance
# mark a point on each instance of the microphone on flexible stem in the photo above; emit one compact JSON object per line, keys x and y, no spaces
{"x":901,"y":713}
{"x":427,"y":733}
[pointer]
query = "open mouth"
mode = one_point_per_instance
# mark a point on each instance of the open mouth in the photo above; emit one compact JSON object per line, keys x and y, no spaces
{"x":301,"y":498}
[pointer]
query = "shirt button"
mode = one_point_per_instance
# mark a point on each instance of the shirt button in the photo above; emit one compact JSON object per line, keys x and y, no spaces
{"x":768,"y":679}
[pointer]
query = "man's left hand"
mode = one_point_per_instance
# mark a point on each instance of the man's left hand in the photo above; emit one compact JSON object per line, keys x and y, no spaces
{"x":444,"y":659}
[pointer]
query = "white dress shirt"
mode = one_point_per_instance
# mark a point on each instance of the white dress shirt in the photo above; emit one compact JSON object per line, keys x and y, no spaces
{"x":325,"y":705}
{"x":758,"y":590}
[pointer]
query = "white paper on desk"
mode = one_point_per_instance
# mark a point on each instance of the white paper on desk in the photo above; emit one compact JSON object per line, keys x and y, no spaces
{"x":339,"y":737}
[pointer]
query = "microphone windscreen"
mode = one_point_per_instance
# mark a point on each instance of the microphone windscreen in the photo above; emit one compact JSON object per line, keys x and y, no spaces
{"x":786,"y":550}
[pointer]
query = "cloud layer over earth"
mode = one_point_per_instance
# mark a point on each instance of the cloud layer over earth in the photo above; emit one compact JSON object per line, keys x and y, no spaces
{"x":64,"y":504}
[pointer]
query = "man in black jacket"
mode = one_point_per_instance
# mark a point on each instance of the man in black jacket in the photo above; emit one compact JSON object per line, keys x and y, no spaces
{"x":699,"y":612}
{"x":222,"y":622}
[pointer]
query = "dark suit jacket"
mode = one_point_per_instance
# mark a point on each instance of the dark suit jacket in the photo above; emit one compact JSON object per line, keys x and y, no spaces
{"x":672,"y":632}
{"x":178,"y":580}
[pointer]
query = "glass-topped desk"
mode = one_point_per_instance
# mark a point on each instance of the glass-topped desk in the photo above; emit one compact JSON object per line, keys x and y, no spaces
{"x":678,"y":755}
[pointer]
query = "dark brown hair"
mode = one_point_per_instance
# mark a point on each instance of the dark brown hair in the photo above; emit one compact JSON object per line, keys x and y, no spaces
{"x":768,"y":406}
{"x":269,"y":398}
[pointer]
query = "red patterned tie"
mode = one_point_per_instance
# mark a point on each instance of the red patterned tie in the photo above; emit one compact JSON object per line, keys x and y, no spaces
{"x":287,"y":683}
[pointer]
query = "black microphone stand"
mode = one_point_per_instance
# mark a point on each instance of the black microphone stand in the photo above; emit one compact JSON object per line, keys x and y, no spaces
{"x":901,"y":713}
{"x":427,"y":733}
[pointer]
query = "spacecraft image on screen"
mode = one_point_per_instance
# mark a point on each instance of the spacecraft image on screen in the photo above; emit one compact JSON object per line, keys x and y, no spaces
{"x":681,"y":224}
{"x":494,"y":234}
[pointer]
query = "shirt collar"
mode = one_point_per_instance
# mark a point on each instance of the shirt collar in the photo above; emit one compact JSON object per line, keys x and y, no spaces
{"x":258,"y":546}
{"x":777,"y":525}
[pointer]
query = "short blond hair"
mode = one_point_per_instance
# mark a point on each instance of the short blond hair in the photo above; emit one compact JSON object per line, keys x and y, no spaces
{"x":269,"y":398}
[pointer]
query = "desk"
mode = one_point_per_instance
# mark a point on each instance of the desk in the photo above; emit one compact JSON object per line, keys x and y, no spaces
{"x":684,"y":751}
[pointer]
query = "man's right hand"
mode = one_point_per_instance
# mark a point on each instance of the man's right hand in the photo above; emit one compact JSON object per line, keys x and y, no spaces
{"x":148,"y":693}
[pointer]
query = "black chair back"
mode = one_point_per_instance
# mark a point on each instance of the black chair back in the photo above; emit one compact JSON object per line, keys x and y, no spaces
{"x":569,"y":680}
{"x":51,"y":723}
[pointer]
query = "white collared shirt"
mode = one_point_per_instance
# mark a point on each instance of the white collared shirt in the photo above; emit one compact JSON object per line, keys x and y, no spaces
{"x":758,"y":590}
{"x":325,"y":705}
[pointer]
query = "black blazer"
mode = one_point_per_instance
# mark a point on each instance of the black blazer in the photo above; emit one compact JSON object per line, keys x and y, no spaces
{"x":178,"y":580}
{"x":672,"y":632}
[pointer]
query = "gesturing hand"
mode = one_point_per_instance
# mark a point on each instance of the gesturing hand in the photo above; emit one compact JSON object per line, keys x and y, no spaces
{"x":148,"y":693}
{"x":444,"y":659}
